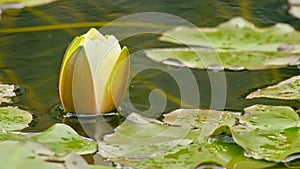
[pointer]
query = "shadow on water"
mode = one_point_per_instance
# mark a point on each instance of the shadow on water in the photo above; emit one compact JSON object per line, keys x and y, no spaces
{"x":31,"y":58}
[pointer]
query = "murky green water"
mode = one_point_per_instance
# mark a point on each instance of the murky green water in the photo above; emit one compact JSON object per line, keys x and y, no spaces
{"x":30,"y":58}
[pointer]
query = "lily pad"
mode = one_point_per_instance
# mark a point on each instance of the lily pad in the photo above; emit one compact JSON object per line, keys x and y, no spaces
{"x":6,"y":92}
{"x":12,"y":118}
{"x":28,"y":155}
{"x":100,"y":167}
{"x":204,"y":58}
{"x":215,"y":137}
{"x":131,"y":141}
{"x":288,"y":89}
{"x":161,"y":152}
{"x":237,"y":34}
{"x":219,"y":154}
{"x":4,"y":136}
{"x":140,"y":137}
{"x":62,"y":139}
{"x":236,"y":45}
{"x":268,"y":132}
{"x":205,"y":121}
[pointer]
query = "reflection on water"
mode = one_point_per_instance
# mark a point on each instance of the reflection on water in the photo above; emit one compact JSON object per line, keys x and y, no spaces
{"x":31,"y":57}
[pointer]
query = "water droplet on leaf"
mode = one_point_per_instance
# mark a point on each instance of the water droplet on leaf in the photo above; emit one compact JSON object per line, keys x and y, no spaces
{"x":247,"y":154}
{"x":210,"y":166}
{"x":236,"y":68}
{"x":291,"y":158}
{"x":173,"y":62}
{"x":215,"y":67}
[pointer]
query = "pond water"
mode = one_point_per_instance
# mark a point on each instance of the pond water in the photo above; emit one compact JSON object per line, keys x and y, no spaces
{"x":33,"y":41}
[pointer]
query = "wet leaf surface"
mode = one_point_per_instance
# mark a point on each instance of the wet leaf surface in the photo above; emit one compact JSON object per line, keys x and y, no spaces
{"x":4,"y":136}
{"x":100,"y":167}
{"x":218,"y":154}
{"x":237,"y":34}
{"x":62,"y":139}
{"x":203,"y":121}
{"x":130,"y":145}
{"x":12,"y":118}
{"x":268,"y":132}
{"x":28,"y":155}
{"x":235,"y":45}
{"x":203,"y":58}
{"x":140,"y":137}
{"x":228,"y":139}
{"x":288,"y":89}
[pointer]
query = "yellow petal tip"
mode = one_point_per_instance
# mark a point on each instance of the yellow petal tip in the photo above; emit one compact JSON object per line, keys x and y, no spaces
{"x":94,"y":34}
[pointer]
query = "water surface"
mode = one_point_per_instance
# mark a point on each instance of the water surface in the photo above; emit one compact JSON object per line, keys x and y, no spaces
{"x":30,"y":58}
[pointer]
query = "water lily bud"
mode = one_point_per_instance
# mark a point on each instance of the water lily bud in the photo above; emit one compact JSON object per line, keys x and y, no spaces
{"x":94,"y":74}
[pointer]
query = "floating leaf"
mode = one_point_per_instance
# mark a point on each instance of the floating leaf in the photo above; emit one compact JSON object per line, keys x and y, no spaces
{"x":137,"y":129}
{"x":264,"y":132}
{"x":62,"y":139}
{"x":268,"y":132}
{"x":73,"y":161}
{"x":288,"y":89}
{"x":29,"y":155}
{"x":234,"y":45}
{"x":12,"y":118}
{"x":237,"y":34}
{"x":204,"y":120}
{"x":6,"y":91}
{"x":203,"y":58}
{"x":140,"y":137}
{"x":217,"y":154}
{"x":12,"y":136}
{"x":100,"y":167}
{"x":131,"y":141}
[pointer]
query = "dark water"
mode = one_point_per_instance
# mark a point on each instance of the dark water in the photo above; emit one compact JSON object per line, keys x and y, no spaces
{"x":30,"y":58}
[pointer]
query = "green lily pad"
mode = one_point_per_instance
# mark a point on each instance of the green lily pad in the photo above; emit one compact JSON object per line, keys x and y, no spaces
{"x":235,"y":45}
{"x":237,"y":34}
{"x":288,"y":89}
{"x":4,"y":136}
{"x":205,"y":121}
{"x":268,"y":132}
{"x":12,"y":118}
{"x":203,"y":58}
{"x":131,"y":141}
{"x":6,"y":92}
{"x":229,"y":155}
{"x":158,"y":150}
{"x":62,"y":139}
{"x":140,"y":137}
{"x":100,"y":167}
{"x":29,"y":155}
{"x":221,"y":138}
